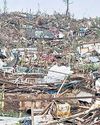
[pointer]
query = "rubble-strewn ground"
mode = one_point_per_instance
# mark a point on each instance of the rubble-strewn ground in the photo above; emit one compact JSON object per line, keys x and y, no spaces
{"x":54,"y":60}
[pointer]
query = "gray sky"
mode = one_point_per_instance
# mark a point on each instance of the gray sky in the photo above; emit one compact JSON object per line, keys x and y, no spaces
{"x":80,"y":8}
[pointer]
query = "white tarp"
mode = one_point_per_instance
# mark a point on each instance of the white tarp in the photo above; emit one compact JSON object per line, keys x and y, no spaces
{"x":57,"y":73}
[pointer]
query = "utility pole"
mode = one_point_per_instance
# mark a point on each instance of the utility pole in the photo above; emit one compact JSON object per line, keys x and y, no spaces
{"x":5,"y":6}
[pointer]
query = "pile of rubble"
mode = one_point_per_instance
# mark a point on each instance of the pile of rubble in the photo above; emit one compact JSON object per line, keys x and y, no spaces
{"x":51,"y":61}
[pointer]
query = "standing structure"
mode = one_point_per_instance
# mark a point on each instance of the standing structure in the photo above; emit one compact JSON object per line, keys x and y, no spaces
{"x":67,"y":10}
{"x":67,"y":5}
{"x":38,"y":9}
{"x":5,"y":6}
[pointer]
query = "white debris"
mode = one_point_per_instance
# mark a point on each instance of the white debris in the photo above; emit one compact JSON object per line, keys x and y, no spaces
{"x":39,"y":119}
{"x":57,"y":73}
{"x":2,"y":64}
{"x":8,"y":120}
{"x":85,"y":94}
{"x":97,"y":85}
{"x":95,"y":105}
{"x":61,"y":35}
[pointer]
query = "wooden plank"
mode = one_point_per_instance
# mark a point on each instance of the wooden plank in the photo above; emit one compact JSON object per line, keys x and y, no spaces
{"x":32,"y":112}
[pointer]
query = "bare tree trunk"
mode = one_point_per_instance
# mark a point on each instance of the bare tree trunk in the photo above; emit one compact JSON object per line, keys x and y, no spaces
{"x":67,"y":10}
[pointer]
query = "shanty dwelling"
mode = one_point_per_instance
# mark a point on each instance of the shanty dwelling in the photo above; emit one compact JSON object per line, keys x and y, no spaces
{"x":88,"y":47}
{"x":39,"y":34}
{"x":23,"y":50}
{"x":91,"y":57}
{"x":8,"y":60}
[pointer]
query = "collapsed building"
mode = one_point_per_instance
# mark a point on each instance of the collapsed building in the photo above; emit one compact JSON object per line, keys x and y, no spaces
{"x":50,"y":68}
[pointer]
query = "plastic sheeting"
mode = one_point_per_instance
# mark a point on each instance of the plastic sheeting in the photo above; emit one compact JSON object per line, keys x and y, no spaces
{"x":57,"y":73}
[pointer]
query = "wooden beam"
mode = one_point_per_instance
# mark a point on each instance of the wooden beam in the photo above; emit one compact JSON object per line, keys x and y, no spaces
{"x":32,"y":112}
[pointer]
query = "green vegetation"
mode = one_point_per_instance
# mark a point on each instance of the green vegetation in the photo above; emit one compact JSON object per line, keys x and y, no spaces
{"x":89,"y":67}
{"x":18,"y":123}
{"x":9,"y":113}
